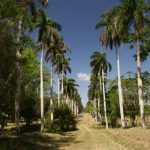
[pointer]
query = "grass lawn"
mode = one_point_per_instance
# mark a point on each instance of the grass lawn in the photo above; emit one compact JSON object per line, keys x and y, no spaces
{"x":32,"y":139}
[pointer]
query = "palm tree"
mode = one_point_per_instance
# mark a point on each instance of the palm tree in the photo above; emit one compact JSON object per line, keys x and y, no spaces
{"x":77,"y":104}
{"x":100,"y":67}
{"x":24,"y":15}
{"x":69,"y":88}
{"x":131,"y":16}
{"x":65,"y":68}
{"x":51,"y":55}
{"x":94,"y":93}
{"x":55,"y":54}
{"x":47,"y":36}
{"x":58,"y":70}
{"x":135,"y":12}
{"x":113,"y":36}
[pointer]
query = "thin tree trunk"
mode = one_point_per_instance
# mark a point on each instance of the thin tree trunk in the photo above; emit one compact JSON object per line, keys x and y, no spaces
{"x":67,"y":99}
{"x":62,"y":87}
{"x":74,"y":108}
{"x":58,"y":90}
{"x":52,"y":113}
{"x":72,"y":105}
{"x":42,"y":92}
{"x":51,"y":99}
{"x":17,"y":99}
{"x":104,"y":98}
{"x":95,"y":105}
{"x":100,"y":83}
{"x":98,"y":105}
{"x":18,"y":80}
{"x":140,"y":86}
{"x":120,"y":89}
{"x":77,"y":109}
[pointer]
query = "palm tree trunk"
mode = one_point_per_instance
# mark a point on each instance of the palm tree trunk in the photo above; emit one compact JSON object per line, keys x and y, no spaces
{"x":77,"y":109}
{"x":120,"y":89}
{"x":62,"y":86}
{"x":67,"y":99}
{"x":104,"y":98}
{"x":42,"y":92}
{"x":100,"y":83}
{"x":140,"y":85}
{"x":69,"y":102}
{"x":17,"y":99}
{"x":95,"y":105}
{"x":51,"y":99}
{"x":98,"y":105}
{"x":18,"y":80}
{"x":58,"y":90}
{"x":72,"y":105}
{"x":74,"y":108}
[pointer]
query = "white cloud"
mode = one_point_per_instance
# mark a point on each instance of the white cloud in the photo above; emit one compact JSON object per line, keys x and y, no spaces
{"x":83,"y":76}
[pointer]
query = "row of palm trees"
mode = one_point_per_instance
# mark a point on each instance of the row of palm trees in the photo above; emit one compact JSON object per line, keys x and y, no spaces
{"x":53,"y":50}
{"x":123,"y":24}
{"x":50,"y":40}
{"x":100,"y":67}
{"x":26,"y":15}
{"x":71,"y":95}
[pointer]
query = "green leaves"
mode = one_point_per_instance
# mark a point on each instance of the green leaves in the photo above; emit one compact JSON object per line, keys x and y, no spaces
{"x":99,"y":62}
{"x":64,"y":119}
{"x":70,"y":87}
{"x":30,"y":68}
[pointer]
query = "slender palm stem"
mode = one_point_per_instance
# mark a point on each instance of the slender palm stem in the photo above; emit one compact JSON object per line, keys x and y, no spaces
{"x":95,"y":106}
{"x":18,"y":79}
{"x":104,"y":98}
{"x":58,"y":90}
{"x":100,"y":88}
{"x":51,"y":98}
{"x":62,"y":86}
{"x":77,"y":109}
{"x":140,"y":86}
{"x":120,"y":89}
{"x":42,"y":92}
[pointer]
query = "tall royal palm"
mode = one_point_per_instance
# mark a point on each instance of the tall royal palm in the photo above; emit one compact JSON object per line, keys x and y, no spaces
{"x":25,"y":8}
{"x":58,"y":70}
{"x":51,"y":54}
{"x":69,"y":88}
{"x":132,"y":13}
{"x":51,"y":57}
{"x":76,"y":102}
{"x":100,"y":67}
{"x":112,"y":36}
{"x":94,"y":93}
{"x":47,"y":35}
{"x":65,"y":68}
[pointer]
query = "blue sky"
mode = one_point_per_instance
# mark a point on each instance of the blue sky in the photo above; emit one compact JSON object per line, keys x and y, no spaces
{"x":78,"y":19}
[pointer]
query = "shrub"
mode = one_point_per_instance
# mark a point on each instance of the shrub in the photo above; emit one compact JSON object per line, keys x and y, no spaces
{"x":147,"y":109}
{"x":64,"y":119}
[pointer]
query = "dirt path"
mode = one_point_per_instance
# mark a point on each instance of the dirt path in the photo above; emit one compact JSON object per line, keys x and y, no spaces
{"x":88,"y":138}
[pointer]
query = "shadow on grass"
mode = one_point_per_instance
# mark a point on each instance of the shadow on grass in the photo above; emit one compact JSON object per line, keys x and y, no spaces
{"x":31,"y":140}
